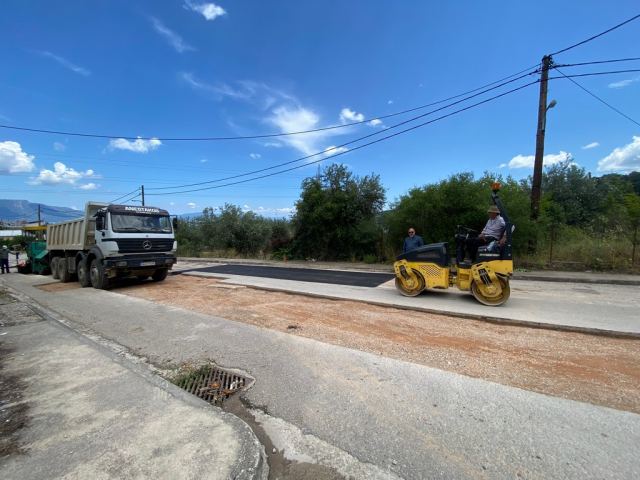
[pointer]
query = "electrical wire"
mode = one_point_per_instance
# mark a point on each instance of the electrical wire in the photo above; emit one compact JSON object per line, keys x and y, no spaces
{"x":268,"y":135}
{"x":126,"y":195}
{"x":468,"y":107}
{"x":598,"y":98}
{"x":592,"y":74}
{"x":632,"y":59}
{"x":343,"y":145}
{"x":596,"y":36}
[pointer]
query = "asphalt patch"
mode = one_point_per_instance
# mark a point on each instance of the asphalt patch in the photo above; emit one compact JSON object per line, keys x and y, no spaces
{"x":334,"y":277}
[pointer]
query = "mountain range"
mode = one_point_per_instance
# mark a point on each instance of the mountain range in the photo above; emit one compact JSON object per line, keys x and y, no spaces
{"x":15,"y":211}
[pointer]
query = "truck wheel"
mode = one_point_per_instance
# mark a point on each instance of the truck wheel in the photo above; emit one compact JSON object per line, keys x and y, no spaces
{"x":98,"y":278}
{"x":54,"y":268}
{"x":160,"y":275}
{"x":83,"y":274}
{"x":63,"y":270}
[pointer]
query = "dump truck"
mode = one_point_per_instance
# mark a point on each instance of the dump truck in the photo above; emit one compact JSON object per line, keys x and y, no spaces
{"x":112,"y":241}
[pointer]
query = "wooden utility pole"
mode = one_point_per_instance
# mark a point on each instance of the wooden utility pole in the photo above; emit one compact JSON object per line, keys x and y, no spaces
{"x":542,"y":120}
{"x":39,"y":215}
{"x":142,"y":190}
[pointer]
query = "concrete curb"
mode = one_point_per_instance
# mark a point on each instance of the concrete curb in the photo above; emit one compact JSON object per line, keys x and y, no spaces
{"x":471,"y":316}
{"x":252,"y":464}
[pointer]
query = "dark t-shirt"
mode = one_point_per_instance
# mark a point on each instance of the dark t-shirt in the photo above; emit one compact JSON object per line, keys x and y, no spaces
{"x":412,"y":243}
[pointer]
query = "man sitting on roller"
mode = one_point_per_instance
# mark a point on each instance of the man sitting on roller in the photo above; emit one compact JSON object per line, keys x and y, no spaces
{"x":492,"y":231}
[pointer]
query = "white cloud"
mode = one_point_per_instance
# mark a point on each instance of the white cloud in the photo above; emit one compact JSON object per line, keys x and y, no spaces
{"x":210,"y":11}
{"x":623,"y":159}
{"x":375,"y":122}
{"x":66,"y":63}
{"x":270,"y":211}
{"x":191,"y":205}
{"x":255,"y":93}
{"x":88,"y":186}
{"x":138,"y":146}
{"x":623,"y":83}
{"x":389,"y":102}
{"x":333,"y":150}
{"x":272,"y":144}
{"x":349,"y":116}
{"x":175,"y":40}
{"x":255,"y":156}
{"x":13,"y":159}
{"x":591,"y":145}
{"x":502,"y":165}
{"x":61,"y":174}
{"x":172,"y":203}
{"x":527,"y":161}
{"x":203,"y":160}
{"x":59,"y":147}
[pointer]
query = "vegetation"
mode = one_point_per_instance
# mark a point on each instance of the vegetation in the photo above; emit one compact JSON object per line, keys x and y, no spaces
{"x":585,"y":222}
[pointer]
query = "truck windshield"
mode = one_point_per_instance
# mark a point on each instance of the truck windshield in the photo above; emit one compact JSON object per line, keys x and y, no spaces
{"x":140,"y":223}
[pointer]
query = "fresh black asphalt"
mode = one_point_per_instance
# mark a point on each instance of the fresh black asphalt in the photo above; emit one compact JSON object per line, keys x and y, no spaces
{"x":335,"y":277}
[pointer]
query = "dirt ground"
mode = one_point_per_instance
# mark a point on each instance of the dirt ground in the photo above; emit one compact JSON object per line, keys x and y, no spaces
{"x":595,"y":369}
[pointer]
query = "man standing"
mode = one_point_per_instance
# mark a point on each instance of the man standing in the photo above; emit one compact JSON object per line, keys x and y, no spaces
{"x":412,"y":242}
{"x":492,"y":231}
{"x":4,"y":258}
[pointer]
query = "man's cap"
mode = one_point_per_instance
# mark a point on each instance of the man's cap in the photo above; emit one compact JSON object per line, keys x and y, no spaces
{"x":4,"y":246}
{"x":493,"y":209}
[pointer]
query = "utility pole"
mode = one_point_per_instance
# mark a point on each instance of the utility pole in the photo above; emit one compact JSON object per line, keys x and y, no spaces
{"x":547,"y":61}
{"x":39,"y":215}
{"x":142,"y":190}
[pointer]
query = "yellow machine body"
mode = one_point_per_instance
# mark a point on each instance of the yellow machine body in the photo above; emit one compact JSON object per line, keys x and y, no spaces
{"x":487,"y":280}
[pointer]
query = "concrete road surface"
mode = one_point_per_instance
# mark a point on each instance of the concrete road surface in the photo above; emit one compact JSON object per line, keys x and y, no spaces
{"x":366,"y":415}
{"x":570,"y":306}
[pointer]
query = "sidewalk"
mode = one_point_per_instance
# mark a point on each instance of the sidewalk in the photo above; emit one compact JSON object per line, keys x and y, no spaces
{"x":537,"y":275}
{"x":73,"y":408}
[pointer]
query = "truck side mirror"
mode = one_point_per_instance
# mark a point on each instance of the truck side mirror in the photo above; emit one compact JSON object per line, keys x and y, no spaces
{"x":174,"y":222}
{"x":100,"y":222}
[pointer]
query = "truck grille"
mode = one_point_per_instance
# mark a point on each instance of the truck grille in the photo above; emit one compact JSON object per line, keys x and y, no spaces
{"x":137,"y":245}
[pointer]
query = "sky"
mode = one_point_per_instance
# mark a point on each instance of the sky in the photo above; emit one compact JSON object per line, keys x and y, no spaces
{"x":190,"y":69}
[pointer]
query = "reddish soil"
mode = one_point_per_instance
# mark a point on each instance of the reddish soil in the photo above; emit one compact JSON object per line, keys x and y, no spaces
{"x":595,"y":369}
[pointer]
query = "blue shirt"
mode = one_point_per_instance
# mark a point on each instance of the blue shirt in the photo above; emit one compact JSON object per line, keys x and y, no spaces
{"x":411,"y":243}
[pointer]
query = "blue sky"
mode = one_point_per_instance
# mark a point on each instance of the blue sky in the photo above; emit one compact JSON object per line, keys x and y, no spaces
{"x":180,"y":68}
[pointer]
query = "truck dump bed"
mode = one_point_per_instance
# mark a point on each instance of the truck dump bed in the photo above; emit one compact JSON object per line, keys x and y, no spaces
{"x":78,"y":234}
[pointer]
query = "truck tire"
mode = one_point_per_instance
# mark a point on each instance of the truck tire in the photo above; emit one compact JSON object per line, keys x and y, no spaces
{"x":63,"y":270}
{"x":54,"y":268}
{"x":83,"y":274}
{"x":98,"y":277}
{"x":160,"y":275}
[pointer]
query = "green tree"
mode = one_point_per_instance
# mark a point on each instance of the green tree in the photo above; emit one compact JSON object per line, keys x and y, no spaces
{"x":632,"y":204}
{"x":334,"y":214}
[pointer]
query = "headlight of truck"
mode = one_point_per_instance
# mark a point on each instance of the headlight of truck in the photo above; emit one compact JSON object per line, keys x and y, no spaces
{"x":175,"y":245}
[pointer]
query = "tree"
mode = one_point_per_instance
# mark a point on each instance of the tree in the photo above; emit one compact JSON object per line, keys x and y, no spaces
{"x":334,"y":214}
{"x":632,"y":203}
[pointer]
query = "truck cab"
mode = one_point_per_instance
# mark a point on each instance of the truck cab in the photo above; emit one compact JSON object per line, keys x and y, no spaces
{"x":134,"y":239}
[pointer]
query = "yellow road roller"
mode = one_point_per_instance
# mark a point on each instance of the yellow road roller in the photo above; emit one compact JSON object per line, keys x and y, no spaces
{"x":486,"y":276}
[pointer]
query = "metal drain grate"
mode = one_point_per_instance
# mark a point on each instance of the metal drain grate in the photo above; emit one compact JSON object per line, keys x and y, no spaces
{"x":212,"y":384}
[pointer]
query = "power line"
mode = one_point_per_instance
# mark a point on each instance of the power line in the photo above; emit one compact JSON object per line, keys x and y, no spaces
{"x":596,"y":36}
{"x":268,"y":135}
{"x":632,"y":59}
{"x":359,"y":146}
{"x":126,"y":195}
{"x":343,"y":145}
{"x":596,"y":73}
{"x":598,"y":98}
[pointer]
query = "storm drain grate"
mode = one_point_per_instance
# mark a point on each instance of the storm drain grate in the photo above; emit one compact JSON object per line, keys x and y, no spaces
{"x":212,"y":384}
